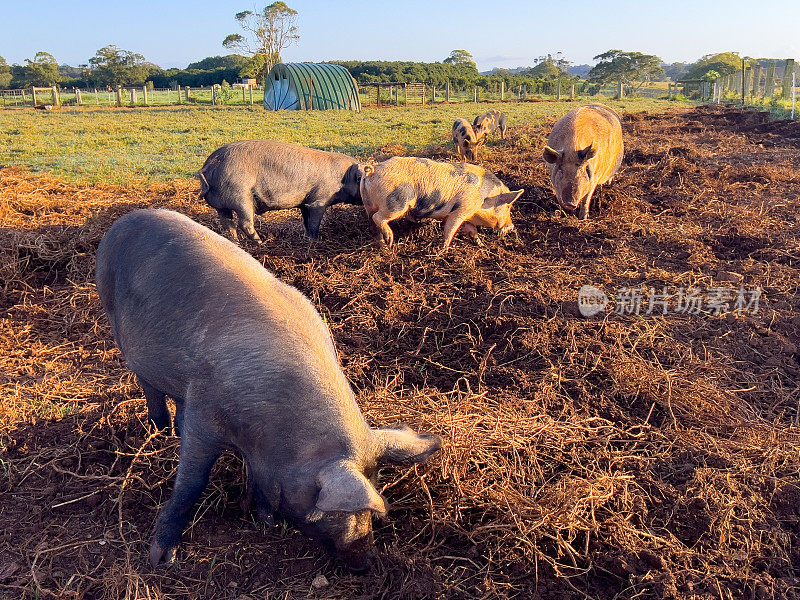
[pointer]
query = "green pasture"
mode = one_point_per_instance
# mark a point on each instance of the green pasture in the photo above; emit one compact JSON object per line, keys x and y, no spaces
{"x":139,"y":145}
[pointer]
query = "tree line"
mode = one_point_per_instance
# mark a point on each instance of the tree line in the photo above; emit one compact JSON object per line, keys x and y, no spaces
{"x":113,"y":67}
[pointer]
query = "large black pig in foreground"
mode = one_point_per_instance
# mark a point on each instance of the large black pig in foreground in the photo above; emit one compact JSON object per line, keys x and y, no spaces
{"x":253,"y":368}
{"x":251,"y":177}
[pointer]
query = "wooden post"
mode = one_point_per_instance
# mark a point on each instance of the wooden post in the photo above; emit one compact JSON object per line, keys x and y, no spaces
{"x":77,"y":97}
{"x":33,"y":93}
{"x":787,"y":78}
{"x":748,"y":82}
{"x":179,"y":94}
{"x":405,"y":92}
{"x":188,"y":92}
{"x":56,"y":99}
{"x":96,"y":97}
{"x":424,"y":93}
{"x":133,"y":96}
{"x":621,"y":91}
{"x":434,"y":95}
{"x":119,"y":96}
{"x":558,"y":93}
{"x":756,"y":80}
{"x":476,"y":94}
{"x":744,"y":72}
{"x":572,"y":92}
{"x":213,"y":94}
{"x":502,"y":90}
{"x":447,"y":92}
{"x":144,"y":96}
{"x":24,"y":99}
{"x":250,"y":87}
{"x":769,"y":89}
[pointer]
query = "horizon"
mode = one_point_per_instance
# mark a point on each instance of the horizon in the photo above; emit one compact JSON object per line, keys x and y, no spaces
{"x":419,"y":33}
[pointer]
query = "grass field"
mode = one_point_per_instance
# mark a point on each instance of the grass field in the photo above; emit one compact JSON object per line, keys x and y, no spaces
{"x":135,"y":146}
{"x":616,"y":457}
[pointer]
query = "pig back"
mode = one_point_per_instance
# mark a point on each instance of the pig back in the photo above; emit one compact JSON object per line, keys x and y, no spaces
{"x":188,"y":309}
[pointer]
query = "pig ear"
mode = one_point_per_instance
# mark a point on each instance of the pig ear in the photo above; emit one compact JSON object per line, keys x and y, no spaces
{"x":343,"y":488}
{"x":500,"y":199}
{"x":551,"y":156}
{"x":404,"y":447}
{"x":586,"y":153}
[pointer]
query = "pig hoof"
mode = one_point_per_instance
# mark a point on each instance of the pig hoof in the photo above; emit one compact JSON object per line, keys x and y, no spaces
{"x":265,"y":517}
{"x":157,"y":554}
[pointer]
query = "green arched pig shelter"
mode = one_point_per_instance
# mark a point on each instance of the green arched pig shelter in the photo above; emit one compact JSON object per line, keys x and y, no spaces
{"x":309,"y":86}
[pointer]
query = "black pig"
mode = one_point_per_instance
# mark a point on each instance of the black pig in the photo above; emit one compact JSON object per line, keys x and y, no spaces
{"x":254,"y":368}
{"x":252,"y":177}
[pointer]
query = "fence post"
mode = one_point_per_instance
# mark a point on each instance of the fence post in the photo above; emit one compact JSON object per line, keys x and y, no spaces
{"x":794,"y":92}
{"x":405,"y":92}
{"x":188,"y":92}
{"x":744,"y":69}
{"x":447,"y":92}
{"x":787,"y":78}
{"x":77,"y":97}
{"x":769,"y":88}
{"x":756,"y":80}
{"x":133,"y":96}
{"x":56,"y":99}
{"x":144,"y":95}
{"x":24,"y":99}
{"x":250,"y":87}
{"x":213,"y":94}
{"x":33,"y":93}
{"x":434,"y":95}
{"x":502,"y":90}
{"x":621,"y":91}
{"x":558,"y":92}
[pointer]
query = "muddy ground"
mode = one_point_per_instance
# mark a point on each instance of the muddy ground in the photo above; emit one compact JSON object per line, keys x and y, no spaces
{"x":616,"y":456}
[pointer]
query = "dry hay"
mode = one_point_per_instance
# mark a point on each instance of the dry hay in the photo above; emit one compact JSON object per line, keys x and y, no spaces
{"x":616,"y":457}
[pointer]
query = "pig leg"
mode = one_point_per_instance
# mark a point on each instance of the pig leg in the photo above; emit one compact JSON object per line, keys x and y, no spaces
{"x":254,"y":495}
{"x":156,"y":405}
{"x":396,"y":204}
{"x":583,"y":210}
{"x":451,"y":225}
{"x":194,"y":468}
{"x":471,"y":232}
{"x":246,"y":222}
{"x":227,"y":222}
{"x":312,"y":219}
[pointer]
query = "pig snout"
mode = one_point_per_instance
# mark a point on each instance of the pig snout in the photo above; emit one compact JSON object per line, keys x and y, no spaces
{"x":360,"y":555}
{"x":569,"y":196}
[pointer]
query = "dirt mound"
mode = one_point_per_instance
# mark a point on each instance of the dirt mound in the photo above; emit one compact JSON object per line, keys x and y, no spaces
{"x":617,"y":456}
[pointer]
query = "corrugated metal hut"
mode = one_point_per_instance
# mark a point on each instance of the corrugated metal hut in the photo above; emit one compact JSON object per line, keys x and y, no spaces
{"x":307,"y":86}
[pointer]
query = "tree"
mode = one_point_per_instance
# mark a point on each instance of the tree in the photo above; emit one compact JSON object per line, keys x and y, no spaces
{"x":231,"y":61}
{"x":115,"y":67}
{"x":459,"y":57}
{"x":267,"y":33}
{"x":616,"y":66}
{"x":723,"y":63}
{"x":5,"y":73}
{"x":42,"y":71}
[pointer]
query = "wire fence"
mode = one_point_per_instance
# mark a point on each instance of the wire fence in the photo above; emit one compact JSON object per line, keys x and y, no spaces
{"x":139,"y":96}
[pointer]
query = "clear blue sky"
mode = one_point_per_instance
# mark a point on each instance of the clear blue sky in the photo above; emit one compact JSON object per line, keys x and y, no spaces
{"x":503,"y":33}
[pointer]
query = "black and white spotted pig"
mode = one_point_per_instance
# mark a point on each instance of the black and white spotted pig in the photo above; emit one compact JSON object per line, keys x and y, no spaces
{"x":255,"y":370}
{"x":465,"y":141}
{"x":490,"y":122}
